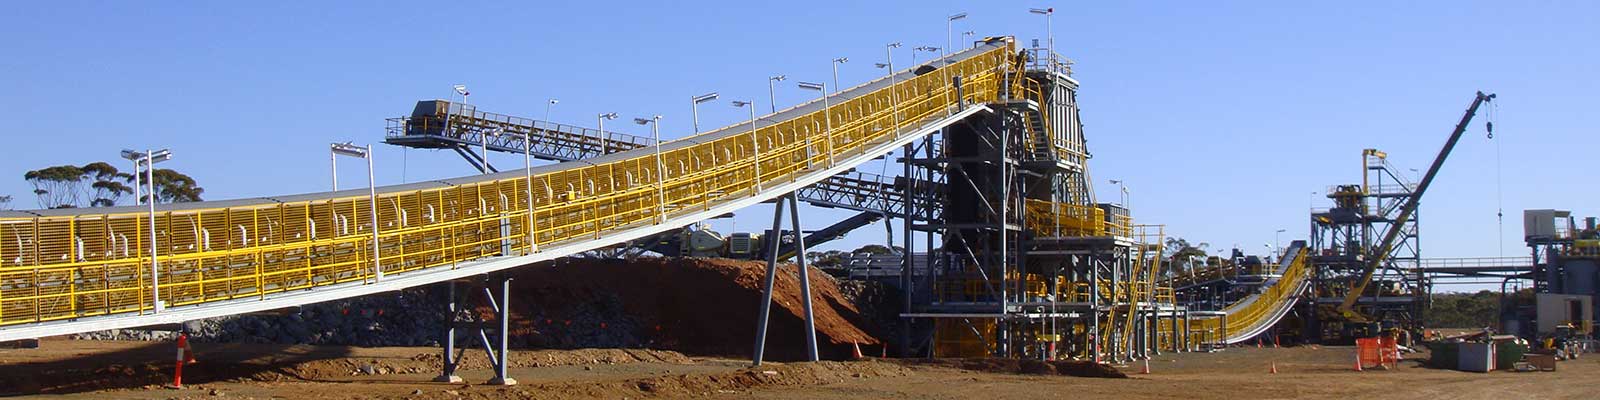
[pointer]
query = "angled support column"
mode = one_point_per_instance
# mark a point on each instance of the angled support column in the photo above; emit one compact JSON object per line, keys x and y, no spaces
{"x":772,"y":268}
{"x":503,"y":314}
{"x":805,"y":278}
{"x":773,"y":237}
{"x":497,"y":349}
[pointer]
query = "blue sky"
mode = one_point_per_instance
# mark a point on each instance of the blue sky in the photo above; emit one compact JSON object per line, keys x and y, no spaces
{"x":1221,"y":116}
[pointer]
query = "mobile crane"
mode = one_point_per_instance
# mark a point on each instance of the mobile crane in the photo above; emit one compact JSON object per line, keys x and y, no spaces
{"x":1374,"y":261}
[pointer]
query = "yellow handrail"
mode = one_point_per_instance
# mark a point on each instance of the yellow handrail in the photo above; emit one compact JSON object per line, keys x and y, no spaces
{"x":1271,"y":298}
{"x":95,"y":263}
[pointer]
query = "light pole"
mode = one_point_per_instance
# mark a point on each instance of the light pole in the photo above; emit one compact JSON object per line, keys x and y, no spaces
{"x":894,"y":95}
{"x":333,"y":161}
{"x":827,"y":119}
{"x":944,"y":60}
{"x":929,"y":49}
{"x":755,"y":145}
{"x":603,"y":117}
{"x":967,"y":37}
{"x":351,"y":150}
{"x":1121,"y":185}
{"x":1277,"y":246}
{"x":461,"y":90}
{"x":149,"y":159}
{"x":547,"y":105}
{"x":694,"y":107}
{"x":135,"y":157}
{"x":1050,"y":32}
{"x":772,"y":91}
{"x":836,"y":62}
{"x":949,"y":25}
{"x":661,"y":171}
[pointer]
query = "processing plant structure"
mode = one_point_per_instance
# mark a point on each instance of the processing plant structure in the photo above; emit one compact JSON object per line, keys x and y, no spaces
{"x":1006,"y":251}
{"x":1343,"y":238}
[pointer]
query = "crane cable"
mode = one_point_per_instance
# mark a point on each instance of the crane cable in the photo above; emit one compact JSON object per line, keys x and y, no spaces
{"x":1499,"y":191}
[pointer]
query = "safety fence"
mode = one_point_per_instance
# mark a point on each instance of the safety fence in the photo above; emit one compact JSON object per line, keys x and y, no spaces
{"x":95,"y":262}
{"x":1253,"y":312}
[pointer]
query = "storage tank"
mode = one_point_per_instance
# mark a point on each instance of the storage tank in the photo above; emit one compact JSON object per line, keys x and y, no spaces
{"x":1578,"y":276}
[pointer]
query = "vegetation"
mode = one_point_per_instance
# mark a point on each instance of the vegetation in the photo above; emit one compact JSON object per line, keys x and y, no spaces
{"x":1468,"y":310}
{"x":5,"y":202}
{"x":175,"y":187}
{"x":100,"y":184}
{"x":835,"y":258}
{"x":1177,"y":249}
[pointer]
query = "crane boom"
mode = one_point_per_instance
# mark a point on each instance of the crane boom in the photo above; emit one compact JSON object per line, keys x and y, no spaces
{"x":1395,"y":228}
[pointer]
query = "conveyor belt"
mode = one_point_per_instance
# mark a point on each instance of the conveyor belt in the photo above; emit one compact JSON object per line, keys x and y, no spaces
{"x":76,"y":270}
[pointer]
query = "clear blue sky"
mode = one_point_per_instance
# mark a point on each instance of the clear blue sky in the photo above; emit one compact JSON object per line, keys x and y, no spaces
{"x":1221,"y":116}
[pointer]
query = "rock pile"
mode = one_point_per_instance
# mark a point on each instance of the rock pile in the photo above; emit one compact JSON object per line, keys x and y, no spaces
{"x":412,"y":317}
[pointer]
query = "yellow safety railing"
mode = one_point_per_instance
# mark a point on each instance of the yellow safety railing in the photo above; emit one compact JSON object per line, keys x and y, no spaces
{"x":1057,"y":219}
{"x":1270,"y":299}
{"x":97,"y":263}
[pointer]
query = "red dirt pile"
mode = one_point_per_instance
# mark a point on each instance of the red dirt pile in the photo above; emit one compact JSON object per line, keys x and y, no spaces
{"x":703,"y":306}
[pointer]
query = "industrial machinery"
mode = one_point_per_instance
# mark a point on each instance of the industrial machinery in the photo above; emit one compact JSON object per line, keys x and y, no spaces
{"x":1365,"y":248}
{"x":1017,"y":257}
{"x":1565,"y":277}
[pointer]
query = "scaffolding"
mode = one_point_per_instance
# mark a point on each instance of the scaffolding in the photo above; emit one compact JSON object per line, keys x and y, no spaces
{"x":1345,"y":236}
{"x":1027,"y":264}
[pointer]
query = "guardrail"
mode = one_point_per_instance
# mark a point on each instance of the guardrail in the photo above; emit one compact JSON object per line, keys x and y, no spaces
{"x":93,"y":262}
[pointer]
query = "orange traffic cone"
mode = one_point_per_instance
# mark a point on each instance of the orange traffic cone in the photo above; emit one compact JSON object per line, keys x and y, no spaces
{"x":1274,"y":367}
{"x":1146,"y":368}
{"x":858,"y":350}
{"x":177,"y":373}
{"x":1258,"y":343}
{"x":1274,"y":341}
{"x":885,"y":351}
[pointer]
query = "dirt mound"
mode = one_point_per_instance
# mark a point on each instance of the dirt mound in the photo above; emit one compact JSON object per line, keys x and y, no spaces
{"x":703,"y":306}
{"x":1084,"y":369}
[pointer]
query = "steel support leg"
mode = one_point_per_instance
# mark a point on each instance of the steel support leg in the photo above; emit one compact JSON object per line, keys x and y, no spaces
{"x":908,"y":253}
{"x":805,"y":278}
{"x":766,"y":290}
{"x":1188,"y":344}
{"x":448,"y":375}
{"x":503,"y":314}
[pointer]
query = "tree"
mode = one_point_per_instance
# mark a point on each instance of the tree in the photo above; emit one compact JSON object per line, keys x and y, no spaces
{"x":1177,"y":250}
{"x":107,"y":184}
{"x":63,"y":186}
{"x":56,"y":187}
{"x":5,"y":202}
{"x":175,"y":187}
{"x":876,"y":249}
{"x":826,"y":259}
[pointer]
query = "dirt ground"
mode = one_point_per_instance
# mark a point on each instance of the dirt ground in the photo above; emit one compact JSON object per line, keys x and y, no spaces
{"x":136,"y":370}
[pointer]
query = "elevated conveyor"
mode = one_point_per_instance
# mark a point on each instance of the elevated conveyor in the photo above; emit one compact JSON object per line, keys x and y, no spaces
{"x":440,"y":124}
{"x":77,"y":270}
{"x":1256,"y":313}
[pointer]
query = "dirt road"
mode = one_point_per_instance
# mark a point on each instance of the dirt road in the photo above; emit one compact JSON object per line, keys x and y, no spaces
{"x":136,"y":370}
